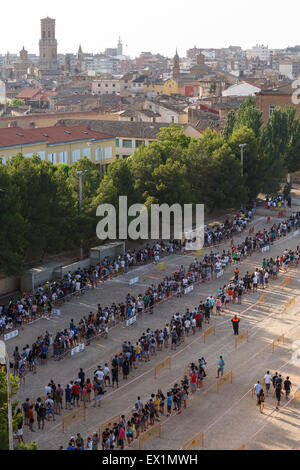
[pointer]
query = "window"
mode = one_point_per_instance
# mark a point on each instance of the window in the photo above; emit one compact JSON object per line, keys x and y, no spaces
{"x":75,"y":155}
{"x":52,"y":157}
{"x":127,"y":143}
{"x":98,"y":154}
{"x":117,"y":143}
{"x":3,"y":160}
{"x":125,"y":156}
{"x":28,"y":155}
{"x":106,"y":84}
{"x":271,"y":109}
{"x":114,"y":85}
{"x":117,"y":157}
{"x":86,"y":152}
{"x":63,"y":157}
{"x":42,"y":155}
{"x":108,"y":152}
{"x":173,"y":118}
{"x":139,"y":142}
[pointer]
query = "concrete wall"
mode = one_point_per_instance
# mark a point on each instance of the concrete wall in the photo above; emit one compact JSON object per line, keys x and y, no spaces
{"x":98,"y":253}
{"x":9,"y":284}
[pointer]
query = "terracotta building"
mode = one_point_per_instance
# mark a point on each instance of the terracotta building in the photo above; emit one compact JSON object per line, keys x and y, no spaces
{"x":268,"y":100}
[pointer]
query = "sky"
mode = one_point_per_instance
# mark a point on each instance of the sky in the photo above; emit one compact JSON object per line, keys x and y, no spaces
{"x":153,"y":25}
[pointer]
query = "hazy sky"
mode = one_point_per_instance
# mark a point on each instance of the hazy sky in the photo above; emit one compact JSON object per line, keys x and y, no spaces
{"x":153,"y":25}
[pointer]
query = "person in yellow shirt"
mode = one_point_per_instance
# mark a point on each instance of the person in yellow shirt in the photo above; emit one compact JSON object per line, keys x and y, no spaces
{"x":157,"y":406}
{"x":137,"y":348}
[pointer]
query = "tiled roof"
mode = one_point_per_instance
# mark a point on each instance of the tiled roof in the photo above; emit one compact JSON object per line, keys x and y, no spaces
{"x":28,"y":93}
{"x":132,"y":129}
{"x":15,"y":136}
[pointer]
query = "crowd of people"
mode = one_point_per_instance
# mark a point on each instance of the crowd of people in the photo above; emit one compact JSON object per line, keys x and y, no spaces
{"x":280,"y":387}
{"x":278,"y":201}
{"x":32,"y":305}
{"x":86,"y":392}
{"x":97,"y":324}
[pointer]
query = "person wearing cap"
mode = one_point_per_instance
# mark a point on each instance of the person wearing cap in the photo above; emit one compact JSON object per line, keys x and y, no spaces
{"x":235,"y":323}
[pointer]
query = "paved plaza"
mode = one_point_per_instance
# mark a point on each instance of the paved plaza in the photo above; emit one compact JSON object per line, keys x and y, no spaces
{"x":229,"y":418}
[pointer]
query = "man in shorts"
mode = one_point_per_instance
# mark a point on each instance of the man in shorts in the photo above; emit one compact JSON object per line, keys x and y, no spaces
{"x":287,"y":385}
{"x":221,"y":367}
{"x":268,"y":379}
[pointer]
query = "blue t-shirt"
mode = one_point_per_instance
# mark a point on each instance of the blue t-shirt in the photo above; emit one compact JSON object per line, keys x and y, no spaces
{"x":221,"y":363}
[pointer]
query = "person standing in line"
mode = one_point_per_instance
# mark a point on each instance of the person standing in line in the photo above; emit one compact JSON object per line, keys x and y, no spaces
{"x":235,"y":323}
{"x":268,"y":379}
{"x":221,"y":367}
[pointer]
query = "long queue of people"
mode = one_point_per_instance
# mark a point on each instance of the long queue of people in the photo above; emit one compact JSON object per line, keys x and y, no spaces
{"x":30,"y":306}
{"x":91,"y":391}
{"x":97,"y":325}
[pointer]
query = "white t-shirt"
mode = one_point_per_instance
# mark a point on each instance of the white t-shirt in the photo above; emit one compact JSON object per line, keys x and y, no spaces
{"x":268,"y":378}
{"x":100,"y":374}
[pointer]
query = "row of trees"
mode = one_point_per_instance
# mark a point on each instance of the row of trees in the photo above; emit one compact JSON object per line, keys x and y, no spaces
{"x":16,"y":417}
{"x":39,"y":202}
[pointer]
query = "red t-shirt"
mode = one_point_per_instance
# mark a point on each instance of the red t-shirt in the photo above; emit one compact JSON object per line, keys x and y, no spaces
{"x":194,"y":378}
{"x":75,"y":389}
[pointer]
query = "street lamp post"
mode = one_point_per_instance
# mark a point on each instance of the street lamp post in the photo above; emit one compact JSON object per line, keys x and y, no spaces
{"x":5,"y":360}
{"x":80,"y":173}
{"x":242,"y":146}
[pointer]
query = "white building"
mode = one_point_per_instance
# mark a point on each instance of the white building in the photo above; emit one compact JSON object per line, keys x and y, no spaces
{"x":241,"y":89}
{"x":260,"y":51}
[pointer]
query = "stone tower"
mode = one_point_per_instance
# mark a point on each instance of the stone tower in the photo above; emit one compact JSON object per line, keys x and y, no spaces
{"x":48,"y":45}
{"x":176,"y":66}
{"x":23,"y":54}
{"x":120,"y":47}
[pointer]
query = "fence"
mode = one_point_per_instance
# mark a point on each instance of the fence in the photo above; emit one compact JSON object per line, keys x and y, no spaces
{"x":227,"y":378}
{"x":161,"y":267}
{"x":288,"y":304}
{"x":277,"y":342}
{"x":162,"y":365}
{"x":155,"y":431}
{"x":242,"y":447}
{"x":109,"y":423}
{"x":296,"y":397}
{"x":208,"y":332}
{"x":242,"y":337}
{"x":286,"y":281}
{"x":195,"y":441}
{"x":73,"y":417}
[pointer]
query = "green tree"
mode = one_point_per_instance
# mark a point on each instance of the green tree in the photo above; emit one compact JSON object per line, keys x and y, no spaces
{"x":252,"y":177}
{"x":229,"y":126}
{"x":248,"y":115}
{"x":4,"y":436}
{"x":16,"y":102}
{"x":14,"y":227}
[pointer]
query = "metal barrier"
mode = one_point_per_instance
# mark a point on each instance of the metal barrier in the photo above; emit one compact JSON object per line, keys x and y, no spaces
{"x":162,"y":365}
{"x":155,"y":431}
{"x":195,"y":441}
{"x":223,"y":380}
{"x":277,"y":342}
{"x":73,"y":417}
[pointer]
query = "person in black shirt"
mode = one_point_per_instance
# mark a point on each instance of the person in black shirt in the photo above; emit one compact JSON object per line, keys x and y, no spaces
{"x":287,"y":385}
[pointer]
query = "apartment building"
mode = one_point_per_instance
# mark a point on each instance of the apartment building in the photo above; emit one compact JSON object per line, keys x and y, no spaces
{"x":59,"y":144}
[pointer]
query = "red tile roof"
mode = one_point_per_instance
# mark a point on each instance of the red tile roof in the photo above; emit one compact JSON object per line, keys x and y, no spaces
{"x":15,"y":136}
{"x":28,"y":93}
